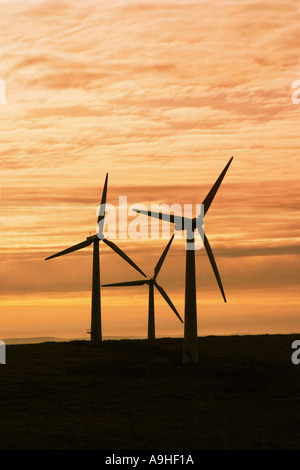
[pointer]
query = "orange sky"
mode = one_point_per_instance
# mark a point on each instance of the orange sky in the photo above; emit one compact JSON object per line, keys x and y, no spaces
{"x":160,"y":95}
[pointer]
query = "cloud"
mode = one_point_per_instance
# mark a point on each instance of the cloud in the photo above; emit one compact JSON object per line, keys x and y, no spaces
{"x":160,"y":95}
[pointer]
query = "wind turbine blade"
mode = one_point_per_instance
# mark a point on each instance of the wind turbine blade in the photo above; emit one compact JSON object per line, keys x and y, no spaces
{"x":209,"y":198}
{"x":181,"y":223}
{"x":162,"y":258}
{"x":168,"y":300}
{"x":103,"y":201}
{"x":72,"y":248}
{"x":158,"y":215}
{"x":129,"y":283}
{"x":214,"y":265}
{"x":123,"y":255}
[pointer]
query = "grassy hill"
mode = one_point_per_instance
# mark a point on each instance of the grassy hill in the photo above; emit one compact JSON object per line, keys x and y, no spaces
{"x":132,"y":394}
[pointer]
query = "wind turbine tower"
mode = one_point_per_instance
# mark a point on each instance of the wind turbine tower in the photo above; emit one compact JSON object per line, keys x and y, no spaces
{"x":190,"y":342}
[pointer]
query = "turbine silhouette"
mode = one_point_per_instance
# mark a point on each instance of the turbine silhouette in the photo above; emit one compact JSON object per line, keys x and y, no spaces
{"x":190,"y":343}
{"x":96,"y":327}
{"x":151,"y":282}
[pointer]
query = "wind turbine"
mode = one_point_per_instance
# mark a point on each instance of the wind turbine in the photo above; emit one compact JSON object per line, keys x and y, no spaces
{"x":190,"y":343}
{"x":151,"y":282}
{"x":96,"y":327}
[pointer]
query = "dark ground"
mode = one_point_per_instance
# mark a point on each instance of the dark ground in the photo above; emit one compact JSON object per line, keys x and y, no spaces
{"x":128,"y":394}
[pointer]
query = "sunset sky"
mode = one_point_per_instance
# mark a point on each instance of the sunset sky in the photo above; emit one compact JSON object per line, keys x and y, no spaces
{"x":159,"y":95}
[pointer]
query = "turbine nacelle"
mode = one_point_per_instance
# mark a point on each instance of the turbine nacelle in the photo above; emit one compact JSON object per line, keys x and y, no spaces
{"x":189,"y":225}
{"x":92,"y":238}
